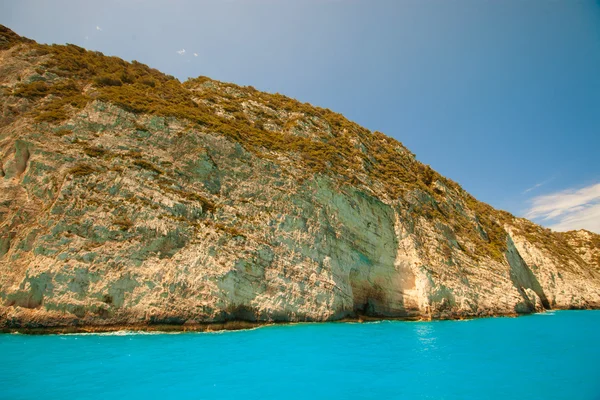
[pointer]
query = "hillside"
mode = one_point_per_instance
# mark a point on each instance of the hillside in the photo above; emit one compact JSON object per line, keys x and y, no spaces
{"x":130,"y":199}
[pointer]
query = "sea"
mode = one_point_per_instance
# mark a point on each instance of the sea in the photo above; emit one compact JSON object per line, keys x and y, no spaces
{"x":553,"y":355}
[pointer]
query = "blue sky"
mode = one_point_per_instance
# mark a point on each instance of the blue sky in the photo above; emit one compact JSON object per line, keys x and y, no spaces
{"x":500,"y":96}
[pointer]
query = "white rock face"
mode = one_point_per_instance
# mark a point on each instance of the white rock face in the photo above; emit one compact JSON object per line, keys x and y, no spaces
{"x":111,"y":218}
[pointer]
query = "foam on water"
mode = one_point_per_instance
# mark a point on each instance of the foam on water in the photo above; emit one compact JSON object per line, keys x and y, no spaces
{"x":118,"y":333}
{"x":546,"y":313}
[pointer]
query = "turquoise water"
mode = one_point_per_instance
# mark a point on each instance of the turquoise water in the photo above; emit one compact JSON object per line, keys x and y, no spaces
{"x":548,"y":356}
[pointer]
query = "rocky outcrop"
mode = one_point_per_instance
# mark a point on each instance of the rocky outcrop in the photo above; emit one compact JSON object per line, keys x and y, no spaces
{"x":240,"y":206}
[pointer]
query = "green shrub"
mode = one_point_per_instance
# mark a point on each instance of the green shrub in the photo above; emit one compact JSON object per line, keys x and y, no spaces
{"x":148,"y":82}
{"x":231,"y":230}
{"x":108,"y":81}
{"x":81,"y":170}
{"x":8,"y":38}
{"x":206,"y":204}
{"x":148,"y":166}
{"x":95,"y":151}
{"x":123,"y":222}
{"x":32,"y":90}
{"x":62,"y":132}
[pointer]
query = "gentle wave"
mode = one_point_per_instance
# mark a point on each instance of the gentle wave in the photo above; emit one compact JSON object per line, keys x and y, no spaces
{"x":140,"y":332}
{"x":120,"y":333}
{"x":546,"y":313}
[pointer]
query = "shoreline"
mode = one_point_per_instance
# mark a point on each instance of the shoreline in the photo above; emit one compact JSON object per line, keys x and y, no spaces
{"x":231,"y":325}
{"x":246,"y":325}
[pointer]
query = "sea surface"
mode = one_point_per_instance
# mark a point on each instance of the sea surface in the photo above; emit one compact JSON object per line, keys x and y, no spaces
{"x":555,"y":355}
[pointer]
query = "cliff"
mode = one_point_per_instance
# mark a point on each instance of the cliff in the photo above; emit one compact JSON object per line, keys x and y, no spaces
{"x":128,"y":198}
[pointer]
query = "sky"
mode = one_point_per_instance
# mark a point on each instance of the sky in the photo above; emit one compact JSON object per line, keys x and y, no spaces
{"x":502,"y":97}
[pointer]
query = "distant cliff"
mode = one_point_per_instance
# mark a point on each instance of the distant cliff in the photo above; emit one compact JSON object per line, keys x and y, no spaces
{"x":128,"y":198}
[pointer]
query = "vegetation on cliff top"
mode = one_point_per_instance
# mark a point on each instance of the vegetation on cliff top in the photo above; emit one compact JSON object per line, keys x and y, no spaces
{"x":69,"y":77}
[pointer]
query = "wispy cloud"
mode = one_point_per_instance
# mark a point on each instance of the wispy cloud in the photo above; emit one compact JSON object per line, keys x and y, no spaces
{"x":98,"y":28}
{"x":537,"y":185}
{"x":569,"y":209}
{"x":195,"y":54}
{"x":181,"y":52}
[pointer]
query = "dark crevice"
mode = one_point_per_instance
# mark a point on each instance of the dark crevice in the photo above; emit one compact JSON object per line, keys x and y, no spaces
{"x":522,"y":276}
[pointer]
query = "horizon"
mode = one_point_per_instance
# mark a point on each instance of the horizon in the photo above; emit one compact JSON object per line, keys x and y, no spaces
{"x":479,"y":151}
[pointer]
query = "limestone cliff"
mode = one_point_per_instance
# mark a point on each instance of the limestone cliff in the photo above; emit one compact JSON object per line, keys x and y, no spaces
{"x":128,"y":198}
